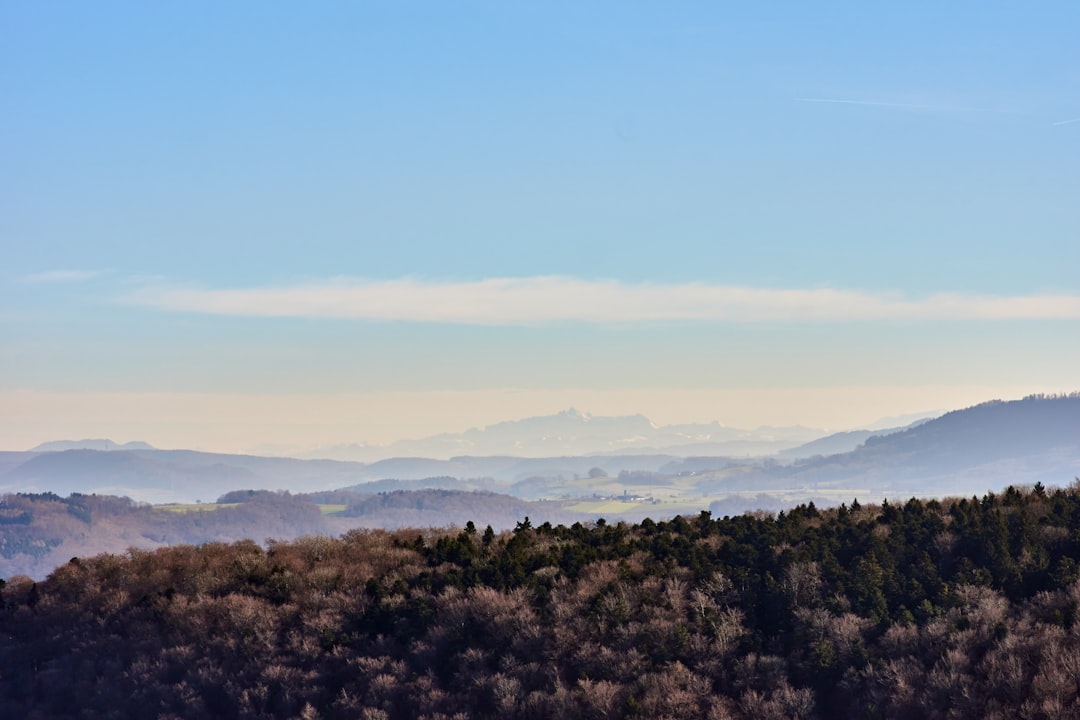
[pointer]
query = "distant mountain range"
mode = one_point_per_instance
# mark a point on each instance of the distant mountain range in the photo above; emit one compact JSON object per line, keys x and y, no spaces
{"x":166,"y":475}
{"x":966,"y":452}
{"x":969,"y":451}
{"x":842,"y":441}
{"x":571,"y":433}
{"x":973,"y":450}
{"x":97,"y":444}
{"x":576,"y":433}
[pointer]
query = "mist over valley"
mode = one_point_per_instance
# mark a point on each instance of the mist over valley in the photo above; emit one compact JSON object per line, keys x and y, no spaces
{"x":145,"y":497}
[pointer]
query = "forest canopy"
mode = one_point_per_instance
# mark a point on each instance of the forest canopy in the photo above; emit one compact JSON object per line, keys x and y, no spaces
{"x":929,"y":609}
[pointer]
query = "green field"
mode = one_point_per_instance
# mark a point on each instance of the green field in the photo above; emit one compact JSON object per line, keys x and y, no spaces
{"x":193,"y":507}
{"x":663,"y":508}
{"x":207,"y":507}
{"x":673,"y":502}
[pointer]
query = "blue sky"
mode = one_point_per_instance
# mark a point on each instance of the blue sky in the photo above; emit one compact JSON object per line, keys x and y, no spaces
{"x":428,"y":216}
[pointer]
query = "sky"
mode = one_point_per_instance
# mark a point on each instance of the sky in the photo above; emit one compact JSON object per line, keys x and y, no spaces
{"x":234,"y":226}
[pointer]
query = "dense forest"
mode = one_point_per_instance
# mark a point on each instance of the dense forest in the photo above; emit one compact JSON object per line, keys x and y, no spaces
{"x":926,"y":609}
{"x":39,"y":531}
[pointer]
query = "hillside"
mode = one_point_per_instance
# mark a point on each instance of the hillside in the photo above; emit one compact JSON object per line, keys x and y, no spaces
{"x":160,"y":476}
{"x":170,"y":475}
{"x":963,"y":452}
{"x":443,"y":508}
{"x":40,"y":531}
{"x":967,"y":451}
{"x":965,"y":608}
{"x":840,"y":442}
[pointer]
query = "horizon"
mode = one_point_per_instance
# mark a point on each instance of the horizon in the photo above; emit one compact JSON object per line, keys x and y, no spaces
{"x":292,"y":449}
{"x":243,"y":226}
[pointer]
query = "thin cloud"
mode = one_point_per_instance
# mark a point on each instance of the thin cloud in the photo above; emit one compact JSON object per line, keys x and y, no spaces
{"x":1066,"y":122}
{"x":904,"y":106}
{"x":62,"y":276}
{"x":554,"y":299}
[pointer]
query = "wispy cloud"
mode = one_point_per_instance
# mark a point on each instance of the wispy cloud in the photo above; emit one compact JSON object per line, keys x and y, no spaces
{"x":900,"y":105}
{"x":62,"y":276}
{"x":1066,"y":122}
{"x":554,"y":299}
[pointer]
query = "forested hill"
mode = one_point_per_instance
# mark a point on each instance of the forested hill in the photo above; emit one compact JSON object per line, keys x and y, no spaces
{"x":960,"y":608}
{"x":966,"y":451}
{"x":167,"y":475}
{"x":992,"y":430}
{"x":41,"y":531}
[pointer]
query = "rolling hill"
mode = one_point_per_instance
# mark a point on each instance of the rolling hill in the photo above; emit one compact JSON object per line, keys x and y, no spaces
{"x":980,"y":448}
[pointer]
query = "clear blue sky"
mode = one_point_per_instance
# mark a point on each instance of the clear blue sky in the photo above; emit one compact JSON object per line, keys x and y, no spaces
{"x":344,"y":200}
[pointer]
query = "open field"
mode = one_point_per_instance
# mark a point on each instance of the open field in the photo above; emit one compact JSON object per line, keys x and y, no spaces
{"x":662,"y":507}
{"x":328,"y":509}
{"x":194,"y":507}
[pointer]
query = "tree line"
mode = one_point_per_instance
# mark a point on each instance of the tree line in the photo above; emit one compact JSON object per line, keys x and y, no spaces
{"x":964,"y":607}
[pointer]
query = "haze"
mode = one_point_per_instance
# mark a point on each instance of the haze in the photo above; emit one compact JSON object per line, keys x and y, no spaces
{"x":251,"y":226}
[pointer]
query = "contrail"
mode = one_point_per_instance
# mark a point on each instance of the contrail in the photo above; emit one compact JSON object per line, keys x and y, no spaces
{"x":840,"y":101}
{"x":1066,"y":122}
{"x":908,"y":106}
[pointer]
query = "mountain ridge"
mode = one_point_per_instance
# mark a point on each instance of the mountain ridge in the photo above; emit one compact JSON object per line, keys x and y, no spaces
{"x":572,"y":432}
{"x":1022,"y":441}
{"x":102,"y":444}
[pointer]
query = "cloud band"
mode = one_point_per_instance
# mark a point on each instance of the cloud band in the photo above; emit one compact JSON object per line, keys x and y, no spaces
{"x":554,"y":299}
